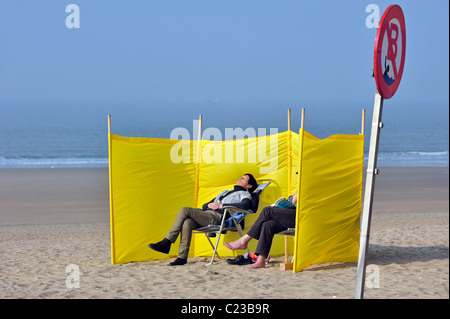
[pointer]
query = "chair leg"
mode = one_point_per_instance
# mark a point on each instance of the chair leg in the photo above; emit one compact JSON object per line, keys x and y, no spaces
{"x":212,"y":246}
{"x":218,"y":238}
{"x":215,"y":250}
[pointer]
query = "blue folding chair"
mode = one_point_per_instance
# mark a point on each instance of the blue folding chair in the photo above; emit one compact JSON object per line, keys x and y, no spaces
{"x":233,"y":218}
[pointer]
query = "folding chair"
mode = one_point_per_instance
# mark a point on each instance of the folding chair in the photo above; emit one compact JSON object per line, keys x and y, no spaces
{"x":232,"y":218}
{"x":287,"y":232}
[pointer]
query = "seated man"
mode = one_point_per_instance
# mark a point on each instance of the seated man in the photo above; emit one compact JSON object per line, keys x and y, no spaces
{"x":272,"y":220}
{"x":189,"y":218}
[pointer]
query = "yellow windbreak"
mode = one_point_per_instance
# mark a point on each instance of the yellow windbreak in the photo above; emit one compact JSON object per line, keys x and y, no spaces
{"x":151,"y":179}
{"x":146,"y":191}
{"x":329,"y":201}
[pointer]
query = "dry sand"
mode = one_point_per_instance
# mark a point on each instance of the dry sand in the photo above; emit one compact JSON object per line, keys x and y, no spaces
{"x":52,"y":218}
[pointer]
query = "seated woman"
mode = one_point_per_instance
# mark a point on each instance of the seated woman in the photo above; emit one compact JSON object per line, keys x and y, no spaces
{"x":189,"y":218}
{"x":271,"y":221}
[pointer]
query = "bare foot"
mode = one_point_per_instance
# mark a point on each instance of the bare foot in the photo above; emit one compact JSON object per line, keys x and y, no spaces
{"x":260,"y":263}
{"x":241,"y":243}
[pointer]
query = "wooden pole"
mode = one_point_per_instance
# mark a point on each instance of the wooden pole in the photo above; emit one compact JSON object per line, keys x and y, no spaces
{"x":368,"y":195}
{"x":287,"y":265}
{"x":199,"y":136}
{"x":363,"y":121}
{"x":111,"y":206}
{"x":285,"y":249}
{"x":289,"y":154}
{"x":197,"y":158}
{"x":289,"y":119}
{"x":196,"y":150}
{"x":302,"y":124}
{"x":289,"y":181}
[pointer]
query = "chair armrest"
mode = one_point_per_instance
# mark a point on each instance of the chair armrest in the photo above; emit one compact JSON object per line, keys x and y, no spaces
{"x":287,"y":232}
{"x":236,"y":210}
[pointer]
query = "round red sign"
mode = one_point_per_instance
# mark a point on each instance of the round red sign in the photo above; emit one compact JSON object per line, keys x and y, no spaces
{"x":389,"y":54}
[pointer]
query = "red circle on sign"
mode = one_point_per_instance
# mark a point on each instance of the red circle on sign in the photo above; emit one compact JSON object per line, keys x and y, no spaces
{"x":389,"y":53}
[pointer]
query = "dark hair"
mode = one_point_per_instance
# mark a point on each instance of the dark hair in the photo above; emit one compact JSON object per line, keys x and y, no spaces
{"x":251,"y":181}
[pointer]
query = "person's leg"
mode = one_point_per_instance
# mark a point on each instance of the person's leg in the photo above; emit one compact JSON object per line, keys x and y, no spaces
{"x":199,"y":218}
{"x":268,"y":231}
{"x":284,"y":217}
{"x":265,"y":215}
{"x":241,"y":243}
{"x":260,"y":263}
{"x":185,"y":237}
{"x":196,"y":219}
{"x":272,"y":220}
{"x":254,"y":231}
{"x":280,"y":219}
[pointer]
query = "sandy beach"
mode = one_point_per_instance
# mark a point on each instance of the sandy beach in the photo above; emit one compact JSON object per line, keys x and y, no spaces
{"x":53,"y":218}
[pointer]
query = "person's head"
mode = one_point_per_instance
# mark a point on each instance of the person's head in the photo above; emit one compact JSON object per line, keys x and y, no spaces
{"x":248,"y":181}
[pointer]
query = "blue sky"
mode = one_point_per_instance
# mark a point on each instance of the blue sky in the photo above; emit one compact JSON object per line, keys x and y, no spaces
{"x":211,"y":56}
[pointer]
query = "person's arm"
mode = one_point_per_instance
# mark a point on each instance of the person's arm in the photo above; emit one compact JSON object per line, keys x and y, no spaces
{"x":244,"y":204}
{"x":205,"y":205}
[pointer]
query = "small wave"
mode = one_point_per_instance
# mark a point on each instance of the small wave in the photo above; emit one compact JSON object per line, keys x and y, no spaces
{"x":421,"y":153}
{"x":52,"y":162}
{"x":408,"y":158}
{"x":413,"y":158}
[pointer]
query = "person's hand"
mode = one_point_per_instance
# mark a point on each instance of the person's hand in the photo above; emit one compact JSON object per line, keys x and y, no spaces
{"x":294,"y":199}
{"x":215,"y":206}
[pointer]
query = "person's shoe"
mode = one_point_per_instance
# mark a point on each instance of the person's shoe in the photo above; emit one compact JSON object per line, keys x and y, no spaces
{"x":178,"y":262}
{"x":240,"y":260}
{"x":163,"y":246}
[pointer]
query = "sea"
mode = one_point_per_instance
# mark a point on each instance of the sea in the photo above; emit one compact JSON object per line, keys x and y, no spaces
{"x":70,"y":135}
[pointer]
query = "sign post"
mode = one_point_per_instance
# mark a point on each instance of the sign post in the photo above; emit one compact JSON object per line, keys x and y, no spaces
{"x":372,"y":171}
{"x":389,"y":60}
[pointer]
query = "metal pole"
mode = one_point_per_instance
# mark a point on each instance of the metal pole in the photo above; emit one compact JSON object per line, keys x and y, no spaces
{"x":368,"y":195}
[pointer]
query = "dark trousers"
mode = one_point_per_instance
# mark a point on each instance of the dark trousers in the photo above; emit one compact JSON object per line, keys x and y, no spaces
{"x":272,"y":220}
